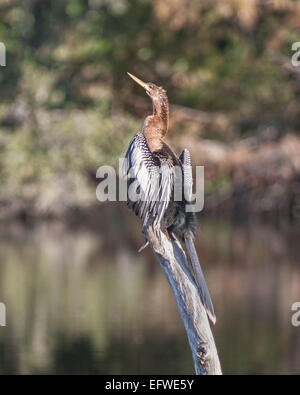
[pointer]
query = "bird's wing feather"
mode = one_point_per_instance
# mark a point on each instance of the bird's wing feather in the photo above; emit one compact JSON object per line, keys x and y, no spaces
{"x":154,"y":177}
{"x":185,"y":158}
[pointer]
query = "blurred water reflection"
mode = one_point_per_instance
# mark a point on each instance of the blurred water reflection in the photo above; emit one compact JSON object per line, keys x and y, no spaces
{"x":78,"y":302}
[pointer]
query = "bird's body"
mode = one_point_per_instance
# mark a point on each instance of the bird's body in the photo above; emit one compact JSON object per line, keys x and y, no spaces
{"x":154,"y":171}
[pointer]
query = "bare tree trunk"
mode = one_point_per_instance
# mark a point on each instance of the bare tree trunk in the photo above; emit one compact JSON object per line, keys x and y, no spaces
{"x":174,"y":263}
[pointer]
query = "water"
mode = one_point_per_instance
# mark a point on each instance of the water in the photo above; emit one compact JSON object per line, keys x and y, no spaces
{"x":81,"y":300}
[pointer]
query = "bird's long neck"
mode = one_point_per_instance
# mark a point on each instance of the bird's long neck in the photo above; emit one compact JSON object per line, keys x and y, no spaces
{"x":156,"y":125}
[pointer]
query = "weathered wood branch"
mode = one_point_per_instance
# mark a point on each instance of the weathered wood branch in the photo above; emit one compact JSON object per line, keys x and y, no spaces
{"x":173,"y":260}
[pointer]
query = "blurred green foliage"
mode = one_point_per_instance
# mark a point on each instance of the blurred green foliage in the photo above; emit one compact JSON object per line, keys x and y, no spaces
{"x":65,"y":97}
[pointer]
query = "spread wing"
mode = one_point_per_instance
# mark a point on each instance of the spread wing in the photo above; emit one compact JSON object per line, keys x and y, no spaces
{"x":150,"y":180}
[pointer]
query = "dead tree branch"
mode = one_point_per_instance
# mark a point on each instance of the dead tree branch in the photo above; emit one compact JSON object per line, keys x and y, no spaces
{"x":173,"y":260}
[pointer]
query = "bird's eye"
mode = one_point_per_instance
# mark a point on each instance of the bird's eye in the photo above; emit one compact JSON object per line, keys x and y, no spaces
{"x":151,"y":86}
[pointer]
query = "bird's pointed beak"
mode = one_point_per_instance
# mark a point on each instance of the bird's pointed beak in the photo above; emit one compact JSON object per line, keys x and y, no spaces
{"x":138,"y":81}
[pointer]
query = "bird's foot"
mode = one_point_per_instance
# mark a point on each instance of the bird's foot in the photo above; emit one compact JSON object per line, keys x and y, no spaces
{"x":144,"y":246}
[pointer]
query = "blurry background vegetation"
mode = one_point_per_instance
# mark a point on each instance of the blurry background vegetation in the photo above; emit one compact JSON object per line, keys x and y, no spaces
{"x":68,"y":107}
{"x":79,"y":298}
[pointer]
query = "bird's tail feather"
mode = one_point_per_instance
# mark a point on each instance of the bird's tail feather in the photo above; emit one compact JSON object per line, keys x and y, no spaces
{"x":203,"y":290}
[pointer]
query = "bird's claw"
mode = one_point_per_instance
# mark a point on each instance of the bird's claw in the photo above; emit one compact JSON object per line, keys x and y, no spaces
{"x":144,"y":246}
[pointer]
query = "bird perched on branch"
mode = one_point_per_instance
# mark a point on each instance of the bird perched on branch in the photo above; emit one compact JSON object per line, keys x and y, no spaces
{"x":154,"y":169}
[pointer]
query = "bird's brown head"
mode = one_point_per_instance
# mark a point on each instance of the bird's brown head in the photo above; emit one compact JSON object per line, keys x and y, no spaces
{"x":155,"y":92}
{"x":156,"y":125}
{"x":159,"y":98}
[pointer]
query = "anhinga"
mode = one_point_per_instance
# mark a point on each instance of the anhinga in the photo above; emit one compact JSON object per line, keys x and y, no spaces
{"x":149,"y":162}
